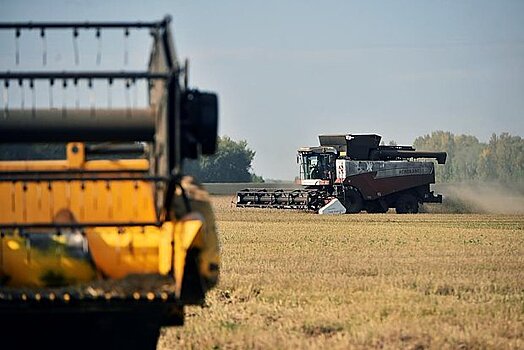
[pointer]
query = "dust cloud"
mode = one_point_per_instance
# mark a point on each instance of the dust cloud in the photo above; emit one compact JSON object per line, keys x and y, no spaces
{"x":492,"y":198}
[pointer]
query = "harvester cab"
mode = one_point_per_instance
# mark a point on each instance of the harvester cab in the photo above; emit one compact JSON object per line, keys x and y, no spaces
{"x":100,"y":231}
{"x":317,"y":165}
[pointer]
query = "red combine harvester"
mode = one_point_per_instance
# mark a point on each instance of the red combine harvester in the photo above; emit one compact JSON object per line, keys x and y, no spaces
{"x":353,"y":172}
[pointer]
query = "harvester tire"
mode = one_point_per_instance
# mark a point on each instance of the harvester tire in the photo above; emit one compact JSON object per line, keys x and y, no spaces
{"x":376,"y":207}
{"x":352,"y":200}
{"x":407,"y":204}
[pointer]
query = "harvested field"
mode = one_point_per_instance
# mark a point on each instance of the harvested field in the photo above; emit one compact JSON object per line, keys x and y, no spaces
{"x":299,"y":280}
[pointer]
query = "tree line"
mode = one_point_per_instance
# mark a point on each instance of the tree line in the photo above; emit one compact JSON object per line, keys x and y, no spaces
{"x":500,"y":159}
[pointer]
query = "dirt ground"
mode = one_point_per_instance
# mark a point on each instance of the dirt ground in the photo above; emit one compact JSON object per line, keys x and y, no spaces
{"x":299,"y":280}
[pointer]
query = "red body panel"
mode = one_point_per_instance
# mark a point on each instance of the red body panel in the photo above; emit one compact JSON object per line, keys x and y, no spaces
{"x":373,"y":188}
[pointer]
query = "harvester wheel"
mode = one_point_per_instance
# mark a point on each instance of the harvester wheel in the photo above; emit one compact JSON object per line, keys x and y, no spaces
{"x":407,"y":204}
{"x":352,"y":200}
{"x":377,"y":207}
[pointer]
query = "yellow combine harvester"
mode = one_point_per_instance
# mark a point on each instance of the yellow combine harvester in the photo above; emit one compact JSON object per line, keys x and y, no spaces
{"x":102,"y":247}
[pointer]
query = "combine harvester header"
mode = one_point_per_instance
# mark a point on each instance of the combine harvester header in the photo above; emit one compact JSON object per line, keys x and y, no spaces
{"x":102,"y":247}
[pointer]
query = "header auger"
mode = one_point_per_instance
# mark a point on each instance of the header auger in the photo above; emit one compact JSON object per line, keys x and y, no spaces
{"x":353,"y":172}
{"x":104,"y":240}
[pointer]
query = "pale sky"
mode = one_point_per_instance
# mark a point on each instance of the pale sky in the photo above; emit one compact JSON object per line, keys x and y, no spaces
{"x":286,"y":71}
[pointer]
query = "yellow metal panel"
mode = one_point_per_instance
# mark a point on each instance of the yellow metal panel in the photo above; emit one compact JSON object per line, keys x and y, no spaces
{"x":116,"y":252}
{"x":6,"y":208}
{"x":29,"y":266}
{"x":185,"y":233}
{"x":88,"y":201}
{"x":117,"y":165}
{"x":18,"y":202}
{"x":63,"y":165}
{"x":33,"y":165}
{"x":75,"y":155}
{"x":132,"y":250}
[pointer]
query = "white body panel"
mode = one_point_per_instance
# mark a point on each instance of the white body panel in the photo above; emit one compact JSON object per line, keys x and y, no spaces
{"x":383,"y":169}
{"x":333,"y":207}
{"x":314,"y":182}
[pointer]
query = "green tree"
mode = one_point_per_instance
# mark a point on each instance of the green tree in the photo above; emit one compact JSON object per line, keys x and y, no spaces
{"x":231,"y":163}
{"x":501,"y":159}
{"x":465,"y":157}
